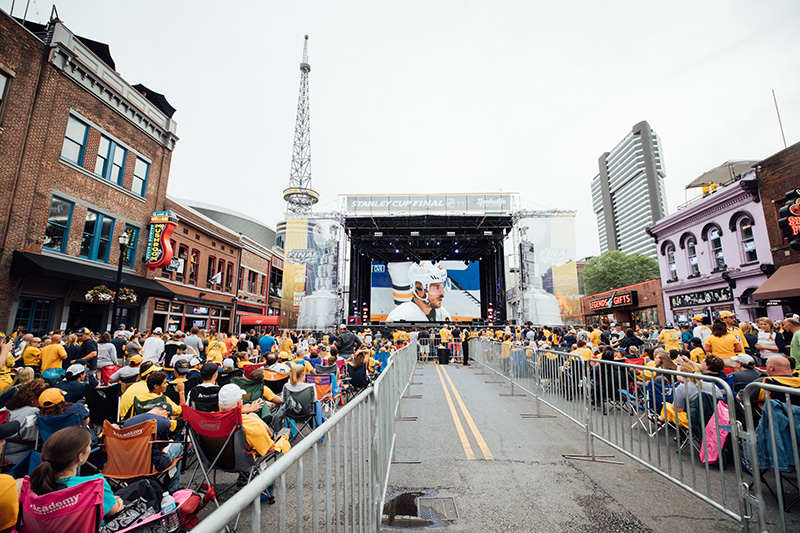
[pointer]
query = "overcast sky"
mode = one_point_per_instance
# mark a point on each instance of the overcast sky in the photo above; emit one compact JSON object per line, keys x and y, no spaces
{"x":418,"y":96}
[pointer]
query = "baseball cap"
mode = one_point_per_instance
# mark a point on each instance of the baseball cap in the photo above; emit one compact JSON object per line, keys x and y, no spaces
{"x":181,"y":367}
{"x":284,"y":356}
{"x":743,"y":359}
{"x":342,"y":326}
{"x":669,"y":325}
{"x":179,"y":333}
{"x":76,"y":370}
{"x":50,"y":397}
{"x":150,"y":370}
{"x":699,"y":318}
{"x":195,"y":361}
{"x":726,"y":314}
{"x":8,"y":429}
{"x":227,"y":363}
{"x":157,"y":330}
{"x":165,"y":406}
{"x":83,"y":331}
{"x":243,"y":335}
{"x":229,"y":396}
{"x":136,"y":359}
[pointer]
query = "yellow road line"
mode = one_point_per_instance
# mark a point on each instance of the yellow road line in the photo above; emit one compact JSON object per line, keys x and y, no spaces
{"x":478,"y":437}
{"x":459,"y":428}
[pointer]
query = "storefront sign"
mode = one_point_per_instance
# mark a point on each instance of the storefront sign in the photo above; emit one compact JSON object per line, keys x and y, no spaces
{"x":162,"y":306}
{"x":703,"y":297}
{"x":789,"y":221}
{"x":176,"y":308}
{"x":199,"y":310}
{"x":159,"y":250}
{"x":614,"y":300}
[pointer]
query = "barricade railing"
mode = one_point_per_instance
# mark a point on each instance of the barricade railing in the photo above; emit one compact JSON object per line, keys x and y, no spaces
{"x":770,"y":447}
{"x":429,"y":349}
{"x":700,"y":448}
{"x":349,"y":455}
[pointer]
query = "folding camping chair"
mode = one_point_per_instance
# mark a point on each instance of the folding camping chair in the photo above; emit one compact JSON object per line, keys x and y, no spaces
{"x":355,"y":381}
{"x":43,"y":514}
{"x":205,"y":399}
{"x":304,"y":414}
{"x":275,"y":381}
{"x":221,"y":445}
{"x":130,"y":453}
{"x":328,"y":392}
{"x":50,"y":424}
{"x":247,"y":369}
{"x":142,"y":406}
{"x":103,"y":404}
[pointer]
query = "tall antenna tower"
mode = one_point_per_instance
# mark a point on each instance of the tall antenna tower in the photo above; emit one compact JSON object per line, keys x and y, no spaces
{"x":300,"y":196}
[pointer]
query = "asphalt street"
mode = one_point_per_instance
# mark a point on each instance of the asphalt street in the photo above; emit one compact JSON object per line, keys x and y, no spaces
{"x":505,"y":472}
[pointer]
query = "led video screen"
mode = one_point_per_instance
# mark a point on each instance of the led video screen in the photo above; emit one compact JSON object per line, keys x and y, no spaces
{"x":425,"y":291}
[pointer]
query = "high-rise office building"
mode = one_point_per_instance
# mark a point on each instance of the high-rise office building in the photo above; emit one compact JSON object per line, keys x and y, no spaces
{"x":628,"y":193}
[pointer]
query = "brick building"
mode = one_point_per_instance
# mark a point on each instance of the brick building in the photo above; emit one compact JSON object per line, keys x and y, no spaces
{"x":639,"y":304}
{"x":86,"y":157}
{"x":779,"y":186}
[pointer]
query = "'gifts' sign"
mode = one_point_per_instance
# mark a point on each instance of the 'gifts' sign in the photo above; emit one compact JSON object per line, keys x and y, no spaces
{"x":616,"y":299}
{"x":789,"y":221}
{"x":159,"y":249}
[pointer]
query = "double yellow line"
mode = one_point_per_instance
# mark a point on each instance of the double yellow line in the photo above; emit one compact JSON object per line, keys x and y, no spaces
{"x":457,"y":420}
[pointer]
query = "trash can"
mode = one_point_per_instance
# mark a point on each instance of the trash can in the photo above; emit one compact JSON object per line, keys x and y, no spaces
{"x":443,"y":353}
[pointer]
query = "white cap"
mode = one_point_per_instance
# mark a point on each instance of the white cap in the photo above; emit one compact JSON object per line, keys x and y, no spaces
{"x":229,"y":396}
{"x":195,"y":361}
{"x":157,"y":330}
{"x":342,"y":326}
{"x":76,"y":370}
{"x":243,"y":335}
{"x":227,"y":363}
{"x":743,"y":359}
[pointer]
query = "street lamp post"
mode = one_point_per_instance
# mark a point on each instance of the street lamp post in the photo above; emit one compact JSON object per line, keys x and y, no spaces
{"x":124,"y":240}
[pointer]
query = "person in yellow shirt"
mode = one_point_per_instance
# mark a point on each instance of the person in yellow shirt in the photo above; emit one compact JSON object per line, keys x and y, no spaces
{"x":32,"y":355}
{"x":722,"y":343}
{"x":669,"y":337}
{"x":594,"y":336}
{"x":136,"y":389}
{"x":256,"y":431}
{"x":582,"y":350}
{"x":729,"y":319}
{"x":53,"y":354}
{"x":697,"y":353}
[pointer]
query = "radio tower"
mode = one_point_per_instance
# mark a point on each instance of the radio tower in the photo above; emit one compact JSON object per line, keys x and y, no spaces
{"x":300,"y":196}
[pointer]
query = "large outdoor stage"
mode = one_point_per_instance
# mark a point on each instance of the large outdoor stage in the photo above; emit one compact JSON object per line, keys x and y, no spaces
{"x":464,"y":233}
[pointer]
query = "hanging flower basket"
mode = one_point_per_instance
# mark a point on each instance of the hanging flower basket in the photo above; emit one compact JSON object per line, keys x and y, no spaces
{"x":127,"y":295}
{"x":99,"y":294}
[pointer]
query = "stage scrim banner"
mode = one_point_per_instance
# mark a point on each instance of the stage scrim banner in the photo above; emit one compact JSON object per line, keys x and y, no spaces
{"x":311,"y":272}
{"x":405,"y":204}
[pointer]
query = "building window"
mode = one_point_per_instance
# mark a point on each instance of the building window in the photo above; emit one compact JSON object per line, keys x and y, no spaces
{"x":130,"y":253}
{"x":252,"y":282}
{"x":34,"y":315}
{"x":241,"y":278}
{"x":212,"y":261}
{"x":164,"y":272}
{"x":673,"y":268}
{"x":229,"y":278}
{"x":748,"y":240}
{"x":691,"y":250}
{"x":276,"y":282}
{"x":97,"y":232}
{"x":5,"y":81}
{"x":110,"y":163}
{"x":221,"y":270}
{"x":57,"y":232}
{"x":75,"y":141}
{"x":194,"y":262}
{"x":140,"y":173}
{"x":263,"y":291}
{"x":183,"y":253}
{"x":715,"y":239}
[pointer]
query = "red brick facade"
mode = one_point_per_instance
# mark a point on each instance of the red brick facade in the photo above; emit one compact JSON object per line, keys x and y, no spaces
{"x":777,"y":175}
{"x":648,"y":295}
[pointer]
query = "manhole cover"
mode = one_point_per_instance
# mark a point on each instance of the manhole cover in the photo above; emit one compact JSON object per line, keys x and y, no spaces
{"x":439,"y":508}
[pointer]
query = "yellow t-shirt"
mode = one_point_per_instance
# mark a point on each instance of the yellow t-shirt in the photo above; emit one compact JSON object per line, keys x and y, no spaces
{"x":722,"y":346}
{"x":697,"y":355}
{"x":134,"y":391}
{"x":594,"y":336}
{"x":31,"y":356}
{"x":52,"y":356}
{"x":584,"y":352}
{"x":736,"y":332}
{"x":9,"y":506}
{"x":256,"y":433}
{"x":671,"y":339}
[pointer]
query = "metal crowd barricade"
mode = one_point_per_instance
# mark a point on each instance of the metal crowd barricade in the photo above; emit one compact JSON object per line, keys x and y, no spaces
{"x":629,"y":407}
{"x":349,"y":457}
{"x":770,"y":448}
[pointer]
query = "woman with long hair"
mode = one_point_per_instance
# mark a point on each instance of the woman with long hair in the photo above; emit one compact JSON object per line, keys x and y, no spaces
{"x":216,"y":349}
{"x":770,"y":342}
{"x":722,"y":343}
{"x":297,"y":381}
{"x":22,"y":405}
{"x":24,"y":375}
{"x":63,"y":453}
{"x":73,"y":350}
{"x":285,"y":343}
{"x":106,"y":352}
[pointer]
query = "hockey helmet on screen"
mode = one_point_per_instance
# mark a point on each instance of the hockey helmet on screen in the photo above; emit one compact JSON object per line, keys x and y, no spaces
{"x":424,"y":274}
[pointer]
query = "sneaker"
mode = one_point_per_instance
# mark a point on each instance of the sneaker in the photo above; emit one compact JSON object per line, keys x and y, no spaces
{"x":266,"y":498}
{"x":285,"y":432}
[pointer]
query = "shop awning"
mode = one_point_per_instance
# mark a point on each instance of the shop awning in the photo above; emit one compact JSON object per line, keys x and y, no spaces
{"x":27,"y":264}
{"x":260,"y":320}
{"x":783,"y":284}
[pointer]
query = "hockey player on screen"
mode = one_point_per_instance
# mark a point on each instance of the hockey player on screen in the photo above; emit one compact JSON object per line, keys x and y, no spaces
{"x":428,"y":287}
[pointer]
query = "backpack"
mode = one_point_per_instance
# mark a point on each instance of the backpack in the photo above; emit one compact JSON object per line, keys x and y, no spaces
{"x":196,"y":502}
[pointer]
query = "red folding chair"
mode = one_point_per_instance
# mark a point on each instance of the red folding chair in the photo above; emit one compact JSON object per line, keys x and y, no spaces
{"x":77,"y":509}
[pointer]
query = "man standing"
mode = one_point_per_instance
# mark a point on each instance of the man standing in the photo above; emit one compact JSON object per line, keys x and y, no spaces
{"x":194,"y":342}
{"x":730,"y":321}
{"x":53,"y":354}
{"x":153,"y":346}
{"x":792,"y":325}
{"x":88,"y":351}
{"x":670,"y":338}
{"x":428,"y":290}
{"x":700,"y":330}
{"x":346,"y":342}
{"x":266,"y":343}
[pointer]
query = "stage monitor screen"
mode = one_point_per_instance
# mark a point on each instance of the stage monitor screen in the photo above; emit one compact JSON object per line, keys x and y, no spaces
{"x":394,"y":298}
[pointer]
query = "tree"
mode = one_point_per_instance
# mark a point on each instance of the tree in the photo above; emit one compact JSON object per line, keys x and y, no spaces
{"x":614,"y":269}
